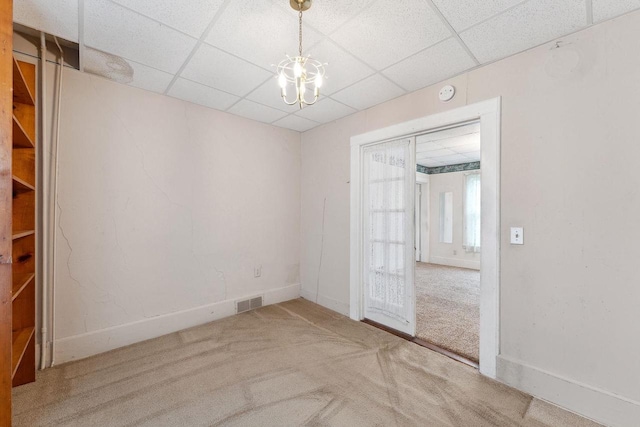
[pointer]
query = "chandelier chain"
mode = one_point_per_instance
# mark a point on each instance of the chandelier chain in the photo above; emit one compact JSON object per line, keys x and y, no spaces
{"x":300,"y":34}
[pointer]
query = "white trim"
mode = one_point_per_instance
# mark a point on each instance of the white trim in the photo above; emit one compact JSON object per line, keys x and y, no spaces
{"x":96,"y":342}
{"x":489,"y":113}
{"x":325,"y":301}
{"x":422,"y":178}
{"x":591,"y":402}
{"x":456,"y":262}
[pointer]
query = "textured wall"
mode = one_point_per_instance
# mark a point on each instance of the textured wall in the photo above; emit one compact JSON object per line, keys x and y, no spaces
{"x":570,"y":295}
{"x":165,"y":208}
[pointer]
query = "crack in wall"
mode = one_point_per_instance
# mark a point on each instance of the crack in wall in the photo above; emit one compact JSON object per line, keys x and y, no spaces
{"x":187,"y":209}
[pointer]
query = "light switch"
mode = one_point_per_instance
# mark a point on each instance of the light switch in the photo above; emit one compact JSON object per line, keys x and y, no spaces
{"x":517,"y":236}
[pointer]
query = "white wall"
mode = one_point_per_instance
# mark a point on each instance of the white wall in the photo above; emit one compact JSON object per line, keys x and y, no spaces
{"x":452,"y":254}
{"x":165,"y":208}
{"x":570,"y":295}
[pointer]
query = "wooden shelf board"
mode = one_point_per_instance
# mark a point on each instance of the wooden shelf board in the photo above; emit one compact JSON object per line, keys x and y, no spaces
{"x":20,"y":281}
{"x":21,"y":339}
{"x":23,"y":233}
{"x":20,"y":137}
{"x":21,"y":91}
{"x":21,"y":186}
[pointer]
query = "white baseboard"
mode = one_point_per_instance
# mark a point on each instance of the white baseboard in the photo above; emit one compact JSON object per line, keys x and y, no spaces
{"x":599,"y":405}
{"x":330,"y":303}
{"x":96,"y":342}
{"x":456,"y":262}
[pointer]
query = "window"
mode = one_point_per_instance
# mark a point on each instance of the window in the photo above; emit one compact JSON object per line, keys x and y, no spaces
{"x":446,"y":217}
{"x":472,"y":217}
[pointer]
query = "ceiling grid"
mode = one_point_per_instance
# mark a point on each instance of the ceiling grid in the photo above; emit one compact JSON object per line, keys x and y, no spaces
{"x":219,"y":53}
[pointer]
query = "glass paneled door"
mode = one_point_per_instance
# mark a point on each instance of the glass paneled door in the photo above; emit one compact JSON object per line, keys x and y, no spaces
{"x":389,"y":175}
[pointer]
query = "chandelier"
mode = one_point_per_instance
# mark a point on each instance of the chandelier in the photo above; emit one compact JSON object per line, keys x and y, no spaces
{"x":304,"y":74}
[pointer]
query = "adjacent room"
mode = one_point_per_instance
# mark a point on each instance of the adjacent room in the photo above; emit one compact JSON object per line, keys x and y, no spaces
{"x":448,"y":239}
{"x":319,"y":212}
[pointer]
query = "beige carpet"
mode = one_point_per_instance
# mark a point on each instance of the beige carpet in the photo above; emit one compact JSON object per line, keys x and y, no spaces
{"x":290,"y":364}
{"x":448,"y":308}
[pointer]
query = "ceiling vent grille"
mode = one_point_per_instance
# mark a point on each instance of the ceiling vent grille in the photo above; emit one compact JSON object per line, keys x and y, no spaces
{"x":248,"y":304}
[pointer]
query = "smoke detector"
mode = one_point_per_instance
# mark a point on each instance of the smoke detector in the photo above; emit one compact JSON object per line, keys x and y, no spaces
{"x":447,"y":93}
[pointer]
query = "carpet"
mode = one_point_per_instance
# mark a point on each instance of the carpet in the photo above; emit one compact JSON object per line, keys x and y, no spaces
{"x":448,"y":308}
{"x":289,"y":364}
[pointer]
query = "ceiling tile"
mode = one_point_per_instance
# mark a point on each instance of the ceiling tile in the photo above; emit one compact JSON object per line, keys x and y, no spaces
{"x":119,"y":31}
{"x":523,"y":27}
{"x":201,"y":94}
{"x":299,"y":124}
{"x":391,"y":30}
{"x":426,"y":146}
{"x":192,"y":20}
{"x":327,"y":15}
{"x":453,"y":159}
{"x":326,"y":110}
{"x":259,"y":32}
{"x":605,"y":9}
{"x":215,"y":68}
{"x":469,"y":148}
{"x":59,"y":18}
{"x":462,"y":14}
{"x":369,"y":92}
{"x":473,"y":157}
{"x":269,"y":94}
{"x":473,"y":139}
{"x":430,"y":66}
{"x":342,"y":68}
{"x":149,"y":78}
{"x":256,"y":111}
{"x":122,"y":71}
{"x":440,"y":153}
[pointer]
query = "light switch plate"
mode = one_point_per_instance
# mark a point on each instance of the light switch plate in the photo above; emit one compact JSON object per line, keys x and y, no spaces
{"x":517,"y":236}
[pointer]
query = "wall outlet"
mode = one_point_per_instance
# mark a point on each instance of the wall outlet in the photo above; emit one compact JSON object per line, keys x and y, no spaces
{"x":455,"y":252}
{"x":257,"y":271}
{"x":517,"y":236}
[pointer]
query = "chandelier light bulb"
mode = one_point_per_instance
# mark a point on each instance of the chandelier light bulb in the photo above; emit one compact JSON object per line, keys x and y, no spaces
{"x":282,"y":80}
{"x":319,"y":81}
{"x":297,"y":70}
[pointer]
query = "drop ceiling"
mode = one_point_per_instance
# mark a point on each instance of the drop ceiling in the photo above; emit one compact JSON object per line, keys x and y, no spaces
{"x":219,"y":53}
{"x":449,"y":147}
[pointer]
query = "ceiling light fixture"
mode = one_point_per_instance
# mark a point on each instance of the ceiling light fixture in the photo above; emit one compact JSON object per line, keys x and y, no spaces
{"x":301,"y":72}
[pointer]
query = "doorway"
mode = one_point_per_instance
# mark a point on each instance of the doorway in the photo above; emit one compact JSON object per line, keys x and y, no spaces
{"x":447,"y":278}
{"x":394,"y":296}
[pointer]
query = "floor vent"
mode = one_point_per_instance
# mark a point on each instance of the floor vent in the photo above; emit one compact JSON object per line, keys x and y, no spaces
{"x":248,"y":304}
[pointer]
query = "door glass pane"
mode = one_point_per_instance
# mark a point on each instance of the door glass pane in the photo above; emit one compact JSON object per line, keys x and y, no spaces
{"x":386,"y":173}
{"x":446,"y":217}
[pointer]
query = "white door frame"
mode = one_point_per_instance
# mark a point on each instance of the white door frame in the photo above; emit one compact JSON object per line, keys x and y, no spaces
{"x":417,"y":218}
{"x":425,"y":244}
{"x":489,"y":114}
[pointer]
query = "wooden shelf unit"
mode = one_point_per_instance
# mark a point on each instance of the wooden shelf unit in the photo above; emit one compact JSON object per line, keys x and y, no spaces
{"x":23,"y":166}
{"x":21,"y":340}
{"x":24,"y":84}
{"x":20,"y":282}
